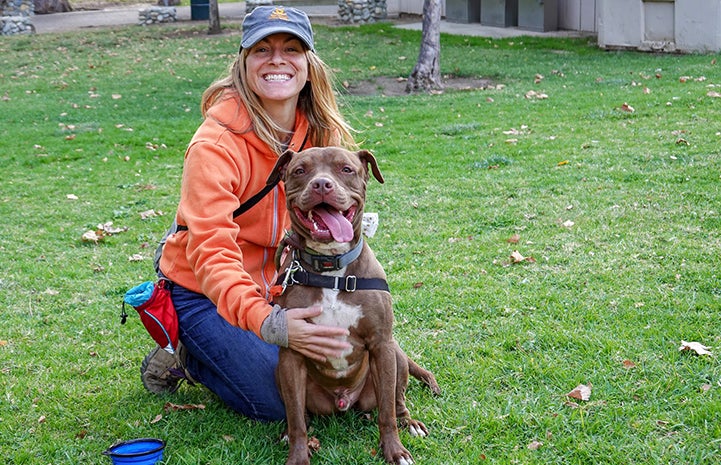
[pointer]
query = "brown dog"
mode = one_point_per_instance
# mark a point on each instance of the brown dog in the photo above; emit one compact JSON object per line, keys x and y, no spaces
{"x":330,"y":265}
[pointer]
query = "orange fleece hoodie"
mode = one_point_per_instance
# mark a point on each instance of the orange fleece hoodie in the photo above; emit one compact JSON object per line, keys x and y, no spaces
{"x":229,"y":260}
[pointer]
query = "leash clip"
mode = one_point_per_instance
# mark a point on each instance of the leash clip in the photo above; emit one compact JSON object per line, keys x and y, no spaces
{"x":289,"y":279}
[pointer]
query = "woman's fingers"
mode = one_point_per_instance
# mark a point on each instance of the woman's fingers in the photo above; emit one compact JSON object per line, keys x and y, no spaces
{"x":318,"y":342}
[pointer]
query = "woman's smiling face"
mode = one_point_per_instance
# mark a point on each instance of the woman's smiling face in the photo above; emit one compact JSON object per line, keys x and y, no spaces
{"x":277,"y":68}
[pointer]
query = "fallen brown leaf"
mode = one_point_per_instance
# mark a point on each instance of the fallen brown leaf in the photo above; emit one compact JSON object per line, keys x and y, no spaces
{"x":149,"y":214}
{"x":581,"y":392}
{"x":91,"y":236}
{"x":171,"y":406}
{"x":628,"y":364}
{"x":313,"y":444}
{"x":516,"y":257}
{"x":534,"y":445}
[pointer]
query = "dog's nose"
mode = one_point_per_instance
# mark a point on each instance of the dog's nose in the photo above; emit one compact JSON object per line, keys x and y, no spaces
{"x":323,"y":186}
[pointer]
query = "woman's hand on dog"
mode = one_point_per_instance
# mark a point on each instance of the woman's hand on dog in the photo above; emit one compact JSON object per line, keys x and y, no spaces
{"x":317,"y":342}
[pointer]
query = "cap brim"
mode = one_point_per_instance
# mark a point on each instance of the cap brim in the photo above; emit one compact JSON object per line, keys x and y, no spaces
{"x":253,"y":39}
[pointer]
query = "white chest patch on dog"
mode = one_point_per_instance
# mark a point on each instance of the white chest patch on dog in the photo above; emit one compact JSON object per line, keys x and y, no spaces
{"x":341,"y":315}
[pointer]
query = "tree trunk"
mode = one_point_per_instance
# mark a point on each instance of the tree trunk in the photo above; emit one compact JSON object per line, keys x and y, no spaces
{"x":426,"y":75}
{"x":51,"y":6}
{"x":214,"y":18}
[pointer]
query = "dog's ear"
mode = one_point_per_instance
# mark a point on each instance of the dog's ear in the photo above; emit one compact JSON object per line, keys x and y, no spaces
{"x":278,"y":172}
{"x":368,"y":158}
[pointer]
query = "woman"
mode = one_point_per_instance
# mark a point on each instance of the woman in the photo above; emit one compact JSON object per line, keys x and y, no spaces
{"x":278,"y":95}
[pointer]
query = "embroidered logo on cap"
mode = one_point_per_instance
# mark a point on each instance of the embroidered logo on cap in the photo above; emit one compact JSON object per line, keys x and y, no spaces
{"x":279,"y":13}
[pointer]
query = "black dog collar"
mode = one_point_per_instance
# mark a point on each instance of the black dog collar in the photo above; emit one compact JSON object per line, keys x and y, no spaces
{"x":321,"y":263}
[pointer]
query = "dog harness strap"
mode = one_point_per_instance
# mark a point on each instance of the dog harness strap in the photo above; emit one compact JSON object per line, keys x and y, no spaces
{"x":250,"y":203}
{"x":338,"y":283}
{"x":244,"y":207}
{"x":321,"y":263}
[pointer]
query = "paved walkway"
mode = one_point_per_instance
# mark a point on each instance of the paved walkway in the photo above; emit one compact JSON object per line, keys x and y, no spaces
{"x":119,"y":16}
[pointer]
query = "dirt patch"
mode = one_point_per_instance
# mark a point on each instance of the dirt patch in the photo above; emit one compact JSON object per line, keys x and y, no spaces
{"x":391,"y":87}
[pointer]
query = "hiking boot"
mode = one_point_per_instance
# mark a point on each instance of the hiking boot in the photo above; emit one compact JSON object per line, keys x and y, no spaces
{"x":163,"y":372}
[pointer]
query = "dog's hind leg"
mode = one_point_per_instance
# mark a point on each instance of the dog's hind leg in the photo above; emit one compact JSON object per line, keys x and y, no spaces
{"x":424,"y":376}
{"x":404,"y":364}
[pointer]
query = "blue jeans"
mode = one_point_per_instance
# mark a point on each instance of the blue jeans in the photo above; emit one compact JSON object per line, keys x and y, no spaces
{"x":233,"y":363}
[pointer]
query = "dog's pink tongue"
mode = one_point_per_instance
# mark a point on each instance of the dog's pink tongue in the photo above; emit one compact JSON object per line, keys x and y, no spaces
{"x":340,"y":228}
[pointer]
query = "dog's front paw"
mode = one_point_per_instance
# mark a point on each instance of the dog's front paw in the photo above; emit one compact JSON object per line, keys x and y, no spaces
{"x":415,"y":427}
{"x":397,"y":454}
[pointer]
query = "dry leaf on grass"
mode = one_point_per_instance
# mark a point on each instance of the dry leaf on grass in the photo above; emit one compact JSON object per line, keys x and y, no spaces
{"x":628,"y":364}
{"x":531,"y":94}
{"x":516,"y":257}
{"x":150,"y":214}
{"x":108,"y":228}
{"x":171,"y":406}
{"x":91,"y":236}
{"x":534,"y":445}
{"x":313,"y":444}
{"x":581,"y":392}
{"x":103,"y":230}
{"x":697,"y":347}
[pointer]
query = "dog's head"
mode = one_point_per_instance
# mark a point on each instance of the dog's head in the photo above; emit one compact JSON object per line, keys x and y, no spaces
{"x":325,"y":191}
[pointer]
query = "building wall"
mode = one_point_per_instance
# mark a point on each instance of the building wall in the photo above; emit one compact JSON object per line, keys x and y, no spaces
{"x":660,"y":25}
{"x":577,"y":15}
{"x":573,"y":15}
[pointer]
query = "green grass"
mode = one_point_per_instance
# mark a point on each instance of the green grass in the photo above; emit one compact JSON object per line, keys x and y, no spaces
{"x":106,"y":115}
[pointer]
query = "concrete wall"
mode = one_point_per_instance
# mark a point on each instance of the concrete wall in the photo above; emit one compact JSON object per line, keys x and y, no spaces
{"x":577,"y":15}
{"x":573,"y":15}
{"x":660,"y":25}
{"x":670,"y":25}
{"x":698,"y":25}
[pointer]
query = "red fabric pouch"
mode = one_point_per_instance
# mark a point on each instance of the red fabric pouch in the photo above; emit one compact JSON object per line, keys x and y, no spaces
{"x":157,"y":312}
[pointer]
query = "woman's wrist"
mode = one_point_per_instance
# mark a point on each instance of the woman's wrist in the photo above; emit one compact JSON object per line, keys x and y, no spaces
{"x":274,"y":329}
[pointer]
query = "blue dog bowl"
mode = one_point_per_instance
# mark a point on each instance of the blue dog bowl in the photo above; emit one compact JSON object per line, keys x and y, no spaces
{"x":145,"y":451}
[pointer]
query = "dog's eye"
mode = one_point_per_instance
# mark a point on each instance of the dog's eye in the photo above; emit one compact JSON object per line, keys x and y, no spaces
{"x":347,"y":170}
{"x":299,"y":171}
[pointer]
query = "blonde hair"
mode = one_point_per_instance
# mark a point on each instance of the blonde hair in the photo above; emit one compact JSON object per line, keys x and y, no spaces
{"x":317,"y":102}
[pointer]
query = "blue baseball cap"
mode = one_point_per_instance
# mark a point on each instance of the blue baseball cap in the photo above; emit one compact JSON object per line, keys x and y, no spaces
{"x":266,"y":20}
